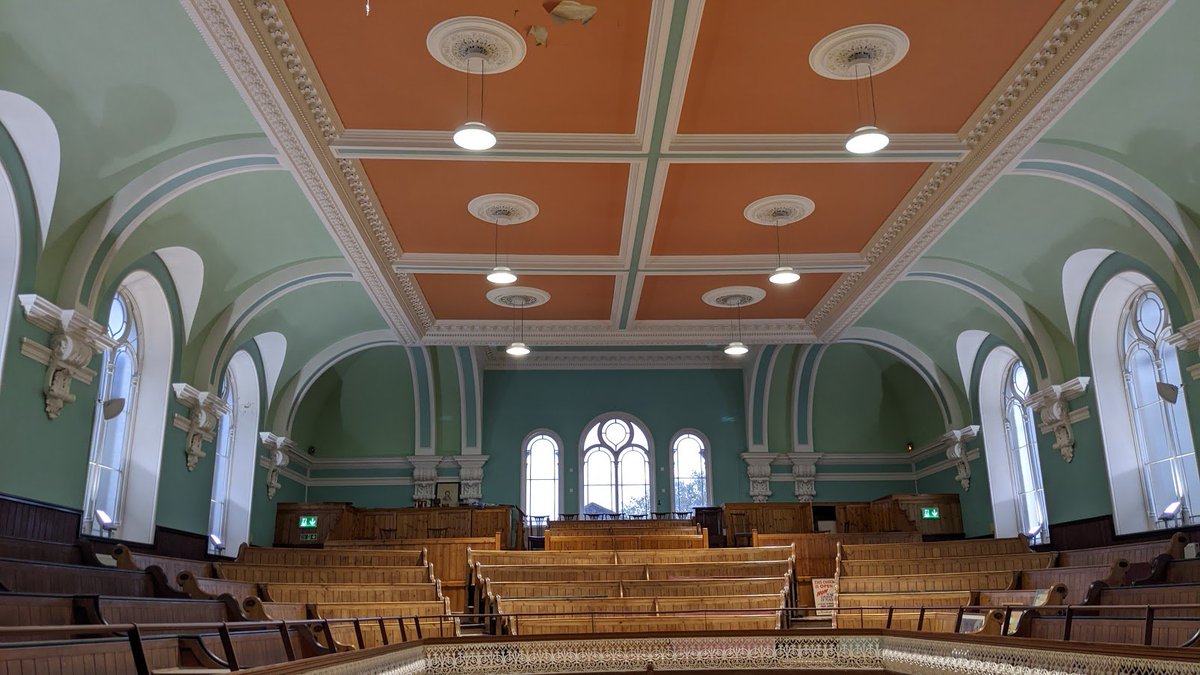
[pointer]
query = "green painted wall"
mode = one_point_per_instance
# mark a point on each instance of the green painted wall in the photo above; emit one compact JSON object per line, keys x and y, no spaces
{"x":366,"y":496}
{"x":517,"y":402}
{"x":262,"y":509}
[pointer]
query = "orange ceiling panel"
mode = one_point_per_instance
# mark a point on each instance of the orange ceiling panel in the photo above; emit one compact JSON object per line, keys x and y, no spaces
{"x":671,"y":297}
{"x":464,"y":297}
{"x":701,"y":212}
{"x":380,"y":74}
{"x":581,"y":206}
{"x":750,"y":73}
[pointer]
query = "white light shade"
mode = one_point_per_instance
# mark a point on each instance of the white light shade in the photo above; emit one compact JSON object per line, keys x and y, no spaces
{"x":784,"y":275}
{"x":736,"y":348}
{"x":866,"y":140}
{"x":216,"y":541}
{"x":474,"y":136}
{"x":517,"y":349}
{"x":106,"y":521}
{"x":501,"y":275}
{"x":1172,"y":510}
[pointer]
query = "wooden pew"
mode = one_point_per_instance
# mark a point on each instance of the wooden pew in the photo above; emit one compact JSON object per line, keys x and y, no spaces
{"x":618,"y":542}
{"x":24,"y":576}
{"x":744,"y":554}
{"x":1107,"y":629}
{"x":558,"y":573}
{"x":816,"y":552}
{"x":448,"y":556}
{"x":989,"y":622}
{"x":108,"y":656}
{"x":258,"y":610}
{"x":206,"y":588}
{"x":171,"y":568}
{"x":323,"y":575}
{"x":932,"y":599}
{"x":571,"y":608}
{"x":253,"y":555}
{"x":718,"y":570}
{"x":936,"y":549}
{"x":343,"y":593}
{"x":1183,"y":572}
{"x":1164,"y":594}
{"x":35,"y":609}
{"x":688,"y":588}
{"x":46,"y":551}
{"x":1140,"y":552}
{"x":163,"y":610}
{"x":254,"y":648}
{"x":982,"y":563}
{"x":628,"y":589}
{"x":648,"y":624}
{"x":434,"y":621}
{"x":921,"y":583}
{"x":766,"y":517}
{"x":649,"y":525}
{"x":1079,"y":581}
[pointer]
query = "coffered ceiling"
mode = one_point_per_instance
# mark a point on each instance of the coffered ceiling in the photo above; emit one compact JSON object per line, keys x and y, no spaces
{"x":637,"y":142}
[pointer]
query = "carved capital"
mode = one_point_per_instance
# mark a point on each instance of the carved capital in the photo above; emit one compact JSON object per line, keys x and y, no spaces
{"x":206,"y":409}
{"x":470,"y":477}
{"x":1186,"y":338}
{"x":75,"y":339}
{"x":955,"y":442}
{"x":424,"y":476}
{"x":758,"y":468}
{"x":804,"y":475}
{"x":1057,"y":417}
{"x":278,"y":449}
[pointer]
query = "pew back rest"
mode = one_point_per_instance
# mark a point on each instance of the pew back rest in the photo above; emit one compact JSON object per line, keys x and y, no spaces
{"x":1138,"y":552}
{"x":35,"y":609}
{"x":1077,"y":580}
{"x":24,"y":576}
{"x":746,"y":554}
{"x":645,"y":624}
{"x":253,"y":555}
{"x":42,"y":551}
{"x":620,"y":542}
{"x":935,"y":549}
{"x":338,"y":593}
{"x":207,"y":588}
{"x":128,"y":559}
{"x":919,"y":583}
{"x":983,"y":563}
{"x":932,"y":599}
{"x":161,"y":610}
{"x":816,"y":552}
{"x":559,"y":572}
{"x":323,"y":575}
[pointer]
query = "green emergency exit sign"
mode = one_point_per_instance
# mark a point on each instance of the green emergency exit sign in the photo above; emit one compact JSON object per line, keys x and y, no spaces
{"x":308,"y":522}
{"x":927,"y":513}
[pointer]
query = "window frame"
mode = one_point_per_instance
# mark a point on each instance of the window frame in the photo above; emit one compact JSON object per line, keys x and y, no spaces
{"x":1009,"y":397}
{"x":707,"y":452}
{"x":651,"y":463}
{"x":558,"y":474}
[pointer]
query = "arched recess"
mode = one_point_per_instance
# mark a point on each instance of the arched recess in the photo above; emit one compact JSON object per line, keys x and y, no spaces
{"x":630,"y":445}
{"x":942,"y":387}
{"x":120,"y":217}
{"x":187,"y":272}
{"x":272,"y":349}
{"x":233,"y":475}
{"x":1103,"y":320}
{"x":803,"y":381}
{"x":144,"y":414}
{"x":996,"y":360}
{"x":757,"y":397}
{"x":293,"y":394}
{"x":1143,"y":201}
{"x":226,"y":333}
{"x":470,"y":387}
{"x":992,"y":292}
{"x":424,"y":393}
{"x":29,"y":165}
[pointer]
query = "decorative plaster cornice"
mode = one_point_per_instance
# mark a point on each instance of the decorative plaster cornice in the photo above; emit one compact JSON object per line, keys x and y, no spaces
{"x":602,"y":333}
{"x":1057,"y":417}
{"x":280,"y":451}
{"x":207,"y":408}
{"x":75,"y":339}
{"x":495,"y":359}
{"x":1091,"y":36}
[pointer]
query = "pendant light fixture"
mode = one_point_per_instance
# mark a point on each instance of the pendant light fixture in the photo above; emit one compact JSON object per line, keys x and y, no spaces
{"x":474,"y":134}
{"x":500,"y":275}
{"x":736,"y":347}
{"x":518,"y":347}
{"x":866,"y":139}
{"x":783,"y":274}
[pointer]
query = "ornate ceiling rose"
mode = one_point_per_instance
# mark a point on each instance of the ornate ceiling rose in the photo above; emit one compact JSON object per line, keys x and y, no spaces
{"x":778,"y":210}
{"x":842,"y":55}
{"x":518,"y":297}
{"x":503,"y":209}
{"x":460,"y":42}
{"x":732,"y":297}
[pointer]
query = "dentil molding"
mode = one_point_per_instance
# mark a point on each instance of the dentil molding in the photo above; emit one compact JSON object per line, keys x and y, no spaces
{"x":207,"y":408}
{"x":75,"y":339}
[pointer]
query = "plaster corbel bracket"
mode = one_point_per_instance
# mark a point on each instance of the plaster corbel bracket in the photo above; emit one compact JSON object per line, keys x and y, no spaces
{"x":470,"y":477}
{"x":280,"y":448}
{"x":955,"y":442}
{"x":1186,"y":338}
{"x":424,"y":476}
{"x":206,"y":408}
{"x":804,"y":475}
{"x":758,"y":468}
{"x":1057,"y":417}
{"x":75,"y":339}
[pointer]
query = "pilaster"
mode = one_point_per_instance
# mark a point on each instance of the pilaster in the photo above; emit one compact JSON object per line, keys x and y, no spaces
{"x":470,"y":477}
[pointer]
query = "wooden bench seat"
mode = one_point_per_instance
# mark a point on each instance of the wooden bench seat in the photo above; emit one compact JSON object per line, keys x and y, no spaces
{"x":447,"y":555}
{"x":716,"y":570}
{"x":207,"y":588}
{"x":257,"y":609}
{"x":588,"y":572}
{"x":648,"y":624}
{"x":350,"y":592}
{"x":1055,"y":595}
{"x":24,"y":576}
{"x":618,"y":542}
{"x":254,"y":648}
{"x":1106,"y":629}
{"x":936,"y":549}
{"x":253,"y":555}
{"x":984,"y":563}
{"x":745,"y":554}
{"x":629,"y":589}
{"x":727,"y":586}
{"x":920,"y":583}
{"x":642,"y":604}
{"x":816,"y":552}
{"x":1077,"y":580}
{"x":322,"y":575}
{"x":1139,"y":552}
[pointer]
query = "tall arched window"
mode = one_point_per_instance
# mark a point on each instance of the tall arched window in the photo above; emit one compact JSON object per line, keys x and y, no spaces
{"x":236,"y":442}
{"x":131,"y":409}
{"x":616,"y":467}
{"x":1154,"y":394}
{"x":689,"y":470}
{"x":1020,"y":432}
{"x":541,"y":470}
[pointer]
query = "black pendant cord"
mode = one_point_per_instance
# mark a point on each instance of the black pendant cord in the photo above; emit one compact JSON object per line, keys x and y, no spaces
{"x":497,"y":247}
{"x":871,"y":87}
{"x":778,"y":246}
{"x":857,"y":96}
{"x":739,"y":322}
{"x":522,"y":323}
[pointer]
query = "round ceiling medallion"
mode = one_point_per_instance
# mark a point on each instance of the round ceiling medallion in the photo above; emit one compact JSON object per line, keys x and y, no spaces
{"x":730,"y":297}
{"x":843,"y":54}
{"x":778,"y":210}
{"x":460,"y":42}
{"x":518,"y":297}
{"x":503,"y":209}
